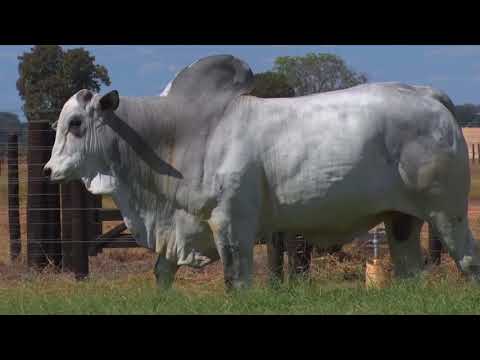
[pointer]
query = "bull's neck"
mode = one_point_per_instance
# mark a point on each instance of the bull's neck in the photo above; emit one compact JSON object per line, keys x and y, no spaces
{"x":147,"y":144}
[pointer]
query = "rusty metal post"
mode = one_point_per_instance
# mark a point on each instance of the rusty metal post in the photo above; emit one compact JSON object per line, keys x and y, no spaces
{"x":275,"y":250}
{"x":299,"y":256}
{"x":13,"y":197}
{"x":435,"y":246}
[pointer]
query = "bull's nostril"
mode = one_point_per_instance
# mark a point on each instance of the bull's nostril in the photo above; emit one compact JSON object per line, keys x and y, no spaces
{"x":47,"y":171}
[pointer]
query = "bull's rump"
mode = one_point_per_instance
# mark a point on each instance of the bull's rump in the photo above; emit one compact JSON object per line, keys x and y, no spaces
{"x":334,"y":157}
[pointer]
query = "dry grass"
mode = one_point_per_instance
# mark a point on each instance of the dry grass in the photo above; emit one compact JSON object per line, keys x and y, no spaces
{"x":123,"y":267}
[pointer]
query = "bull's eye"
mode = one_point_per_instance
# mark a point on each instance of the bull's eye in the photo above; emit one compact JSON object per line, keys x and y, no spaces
{"x":75,"y":126}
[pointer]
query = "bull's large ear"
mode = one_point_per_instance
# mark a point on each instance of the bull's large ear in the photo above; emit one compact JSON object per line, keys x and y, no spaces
{"x":110,"y":101}
{"x":212,"y":82}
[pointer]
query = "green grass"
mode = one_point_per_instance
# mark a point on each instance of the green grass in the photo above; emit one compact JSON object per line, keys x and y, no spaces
{"x":141,"y":297}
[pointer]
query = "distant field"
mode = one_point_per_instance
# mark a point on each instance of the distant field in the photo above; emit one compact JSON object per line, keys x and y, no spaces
{"x":475,"y":182}
{"x":472,"y":135}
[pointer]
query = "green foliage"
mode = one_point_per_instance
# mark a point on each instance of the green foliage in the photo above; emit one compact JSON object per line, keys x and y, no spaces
{"x":49,"y":76}
{"x":272,"y":85}
{"x":468,"y":115}
{"x":315,"y":73}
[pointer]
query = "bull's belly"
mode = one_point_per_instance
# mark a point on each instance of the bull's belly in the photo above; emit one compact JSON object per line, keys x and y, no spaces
{"x":327,"y":217}
{"x":349,"y":204}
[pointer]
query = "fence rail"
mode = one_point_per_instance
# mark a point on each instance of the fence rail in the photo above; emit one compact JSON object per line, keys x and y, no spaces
{"x":64,"y":222}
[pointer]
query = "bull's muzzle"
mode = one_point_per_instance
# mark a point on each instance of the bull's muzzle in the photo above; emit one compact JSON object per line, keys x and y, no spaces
{"x":47,"y":171}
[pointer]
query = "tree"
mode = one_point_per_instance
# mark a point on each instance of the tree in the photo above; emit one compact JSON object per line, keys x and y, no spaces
{"x":271,"y":85}
{"x":315,"y":73}
{"x":467,"y":114}
{"x":49,"y":76}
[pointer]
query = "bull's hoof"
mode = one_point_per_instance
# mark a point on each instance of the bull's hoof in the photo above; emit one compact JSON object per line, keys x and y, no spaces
{"x":164,"y":280}
{"x":235,"y":285}
{"x":164,"y":284}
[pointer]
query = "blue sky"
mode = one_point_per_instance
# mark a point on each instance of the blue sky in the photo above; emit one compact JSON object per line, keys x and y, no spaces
{"x":145,"y":70}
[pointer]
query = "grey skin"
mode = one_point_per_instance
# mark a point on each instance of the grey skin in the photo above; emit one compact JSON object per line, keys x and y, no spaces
{"x":335,"y":164}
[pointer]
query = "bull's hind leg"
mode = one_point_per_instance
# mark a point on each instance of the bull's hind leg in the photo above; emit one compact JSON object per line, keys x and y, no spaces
{"x":458,"y":239}
{"x":403,"y":234}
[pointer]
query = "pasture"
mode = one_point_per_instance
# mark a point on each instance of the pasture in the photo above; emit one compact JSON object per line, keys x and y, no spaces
{"x":122,"y":282}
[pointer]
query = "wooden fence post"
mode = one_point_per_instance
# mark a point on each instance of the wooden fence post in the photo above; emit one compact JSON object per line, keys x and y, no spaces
{"x":13,"y":198}
{"x":43,"y":202}
{"x":94,"y":225}
{"x":66,"y":219}
{"x":79,"y":230}
{"x":37,"y":217}
{"x":52,"y":192}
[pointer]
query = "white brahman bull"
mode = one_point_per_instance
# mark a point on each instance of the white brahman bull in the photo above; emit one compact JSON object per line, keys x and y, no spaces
{"x":334,"y":164}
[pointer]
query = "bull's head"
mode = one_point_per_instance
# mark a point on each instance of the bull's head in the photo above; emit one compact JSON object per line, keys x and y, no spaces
{"x":81,"y":141}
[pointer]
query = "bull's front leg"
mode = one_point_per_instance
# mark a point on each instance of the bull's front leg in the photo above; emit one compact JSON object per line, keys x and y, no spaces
{"x":234,"y":221}
{"x":165,"y":271}
{"x":234,"y":238}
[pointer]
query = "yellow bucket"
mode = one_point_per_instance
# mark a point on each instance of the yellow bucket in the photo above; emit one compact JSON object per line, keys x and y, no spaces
{"x":376,"y":276}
